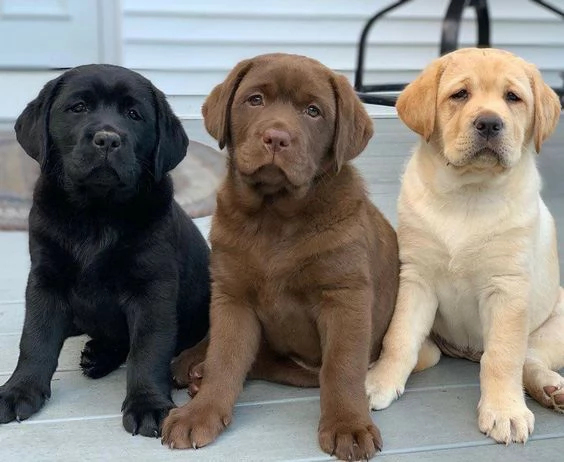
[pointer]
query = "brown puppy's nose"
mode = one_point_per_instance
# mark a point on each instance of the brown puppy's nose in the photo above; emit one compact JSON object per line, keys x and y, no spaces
{"x":488,"y":126}
{"x":106,"y":141}
{"x":276,"y":140}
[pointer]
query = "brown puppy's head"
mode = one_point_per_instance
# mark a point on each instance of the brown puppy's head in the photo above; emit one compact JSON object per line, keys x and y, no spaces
{"x":286,"y":119}
{"x":480,"y":108}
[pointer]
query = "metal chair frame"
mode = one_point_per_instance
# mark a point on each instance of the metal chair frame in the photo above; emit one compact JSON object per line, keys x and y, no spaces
{"x":374,"y":94}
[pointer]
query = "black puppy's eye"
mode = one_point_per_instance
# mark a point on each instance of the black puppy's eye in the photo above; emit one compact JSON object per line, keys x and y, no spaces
{"x":255,"y":100}
{"x":460,"y":95}
{"x":133,"y":114}
{"x":313,"y":111}
{"x":512,"y":97}
{"x":79,"y":107}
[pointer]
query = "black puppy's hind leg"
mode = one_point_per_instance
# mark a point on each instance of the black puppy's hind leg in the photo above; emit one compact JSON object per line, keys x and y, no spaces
{"x":102,"y":356}
{"x":46,"y":326}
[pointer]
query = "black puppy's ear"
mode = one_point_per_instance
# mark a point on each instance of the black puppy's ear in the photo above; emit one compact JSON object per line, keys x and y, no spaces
{"x":32,"y":126}
{"x":172,"y":141}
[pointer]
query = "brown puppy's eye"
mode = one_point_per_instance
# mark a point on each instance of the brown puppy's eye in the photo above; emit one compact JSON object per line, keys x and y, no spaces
{"x":460,"y":95}
{"x":79,"y":107}
{"x":313,"y":111}
{"x":512,"y":97}
{"x":255,"y":100}
{"x":133,"y":114}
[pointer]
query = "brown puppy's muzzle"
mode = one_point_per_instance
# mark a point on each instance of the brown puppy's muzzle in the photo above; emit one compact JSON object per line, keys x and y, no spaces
{"x":275,"y":140}
{"x":274,"y":158}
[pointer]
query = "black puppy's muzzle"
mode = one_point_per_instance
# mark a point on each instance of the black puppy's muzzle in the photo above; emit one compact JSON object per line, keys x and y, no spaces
{"x":106,"y":142}
{"x":103,"y":160}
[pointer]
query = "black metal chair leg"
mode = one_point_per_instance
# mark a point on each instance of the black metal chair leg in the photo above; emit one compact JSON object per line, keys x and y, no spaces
{"x":449,"y":42}
{"x":364,"y":38}
{"x":361,"y":89}
{"x":549,"y":7}
{"x":452,"y":19}
{"x":559,"y":91}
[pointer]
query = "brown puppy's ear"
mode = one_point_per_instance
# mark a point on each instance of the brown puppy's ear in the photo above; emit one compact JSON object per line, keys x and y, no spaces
{"x":32,"y":125}
{"x":172,"y":141}
{"x":353,"y":126}
{"x":547,"y":108}
{"x":217,"y":107}
{"x":417,"y":103}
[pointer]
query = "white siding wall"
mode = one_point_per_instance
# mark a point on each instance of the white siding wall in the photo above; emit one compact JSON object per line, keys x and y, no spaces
{"x":188,"y":46}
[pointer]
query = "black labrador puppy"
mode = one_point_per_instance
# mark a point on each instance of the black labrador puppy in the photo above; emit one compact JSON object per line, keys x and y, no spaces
{"x":112,"y":254}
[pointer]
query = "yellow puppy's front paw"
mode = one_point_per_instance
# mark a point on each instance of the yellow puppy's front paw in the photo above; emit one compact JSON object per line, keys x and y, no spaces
{"x":380,"y":389}
{"x":506,"y":422}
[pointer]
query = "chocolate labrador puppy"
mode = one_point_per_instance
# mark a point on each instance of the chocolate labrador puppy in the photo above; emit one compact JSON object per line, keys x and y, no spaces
{"x":112,"y":254}
{"x":304,"y":266}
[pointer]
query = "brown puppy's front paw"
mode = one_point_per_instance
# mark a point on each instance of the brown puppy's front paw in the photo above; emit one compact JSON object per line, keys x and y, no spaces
{"x":187,"y":368}
{"x":350,"y":440}
{"x":194,"y":425}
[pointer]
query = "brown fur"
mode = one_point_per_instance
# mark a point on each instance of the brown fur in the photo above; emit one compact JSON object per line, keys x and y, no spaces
{"x":304,"y":267}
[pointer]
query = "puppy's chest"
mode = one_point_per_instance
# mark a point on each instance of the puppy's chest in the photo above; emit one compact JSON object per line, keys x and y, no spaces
{"x":284,"y":291}
{"x":452,"y":238}
{"x":96,"y":265}
{"x":92,"y":249}
{"x":458,"y":252}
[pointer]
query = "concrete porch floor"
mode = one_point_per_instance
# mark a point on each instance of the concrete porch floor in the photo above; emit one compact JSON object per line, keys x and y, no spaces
{"x":434,"y":421}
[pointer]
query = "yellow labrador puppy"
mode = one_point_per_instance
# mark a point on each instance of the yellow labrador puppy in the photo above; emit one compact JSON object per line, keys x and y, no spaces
{"x":480,"y":276}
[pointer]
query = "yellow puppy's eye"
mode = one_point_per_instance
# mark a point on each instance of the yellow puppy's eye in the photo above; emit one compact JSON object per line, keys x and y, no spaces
{"x":255,"y":100}
{"x":313,"y":111}
{"x":512,"y":97}
{"x":459,"y":95}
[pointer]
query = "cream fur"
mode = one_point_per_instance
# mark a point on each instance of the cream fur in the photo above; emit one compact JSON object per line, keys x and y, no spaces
{"x":477,"y":244}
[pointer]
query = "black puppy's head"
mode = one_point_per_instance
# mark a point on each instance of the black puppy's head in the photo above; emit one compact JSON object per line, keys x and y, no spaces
{"x":102,"y":129}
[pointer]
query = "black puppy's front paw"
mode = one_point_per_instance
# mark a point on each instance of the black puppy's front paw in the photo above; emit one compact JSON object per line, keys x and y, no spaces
{"x":99,"y":358}
{"x":21,"y":401}
{"x":144,"y":415}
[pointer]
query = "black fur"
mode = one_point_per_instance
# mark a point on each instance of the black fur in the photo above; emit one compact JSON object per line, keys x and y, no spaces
{"x":112,"y":254}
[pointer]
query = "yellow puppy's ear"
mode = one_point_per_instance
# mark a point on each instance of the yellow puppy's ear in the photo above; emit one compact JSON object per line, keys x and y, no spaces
{"x":217,"y":107}
{"x":547,"y":108}
{"x":417,"y":103}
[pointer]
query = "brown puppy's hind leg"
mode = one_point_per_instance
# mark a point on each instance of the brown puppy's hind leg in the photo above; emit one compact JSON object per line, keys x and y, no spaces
{"x":274,"y":368}
{"x":187,"y":367}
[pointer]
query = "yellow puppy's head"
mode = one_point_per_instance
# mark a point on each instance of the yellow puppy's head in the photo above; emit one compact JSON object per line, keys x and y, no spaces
{"x":480,"y":108}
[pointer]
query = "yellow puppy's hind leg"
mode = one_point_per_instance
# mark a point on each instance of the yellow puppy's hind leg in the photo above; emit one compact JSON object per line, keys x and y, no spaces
{"x":429,"y":355}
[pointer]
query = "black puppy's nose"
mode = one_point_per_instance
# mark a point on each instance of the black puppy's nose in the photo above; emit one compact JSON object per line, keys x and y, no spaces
{"x":276,"y":140}
{"x":106,"y":141}
{"x":488,"y":126}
